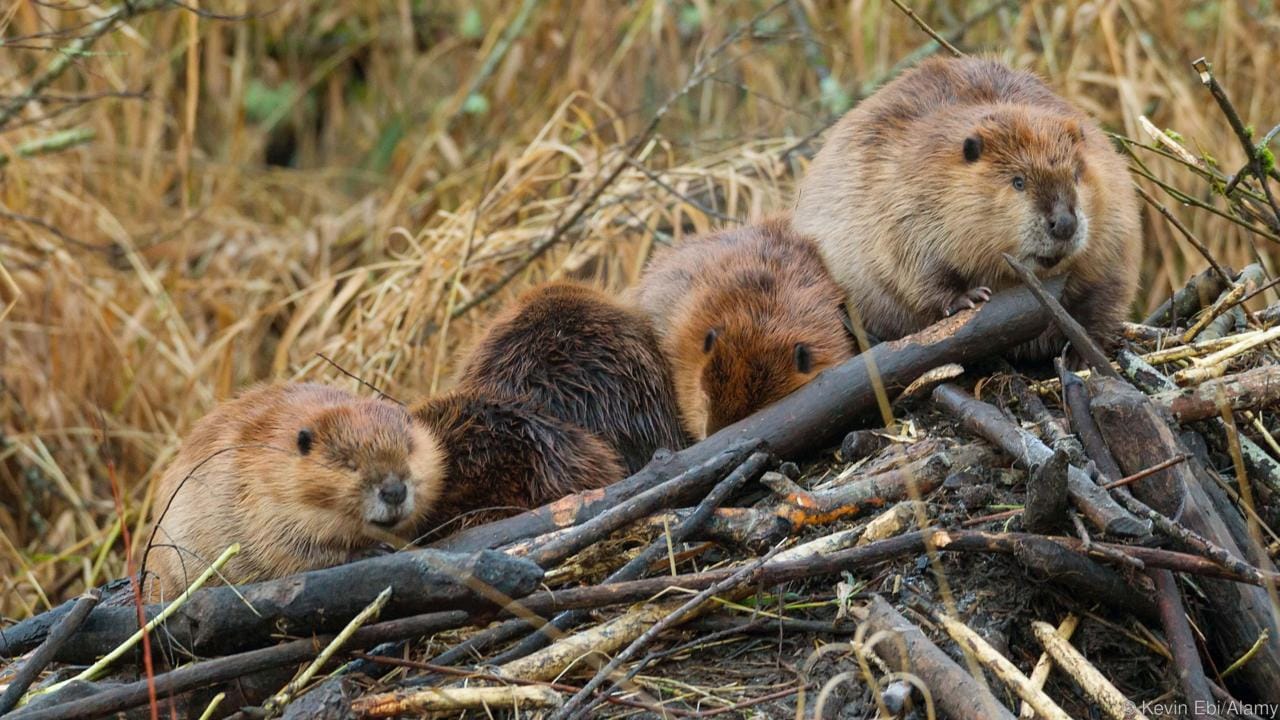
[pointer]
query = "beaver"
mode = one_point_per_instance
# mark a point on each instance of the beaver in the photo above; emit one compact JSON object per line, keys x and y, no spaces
{"x":745,"y":315}
{"x":576,"y":354}
{"x":501,"y":455}
{"x":918,"y":191}
{"x":302,"y":475}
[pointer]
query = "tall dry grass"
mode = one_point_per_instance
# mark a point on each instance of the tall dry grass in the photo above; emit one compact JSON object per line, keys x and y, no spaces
{"x":347,"y":178}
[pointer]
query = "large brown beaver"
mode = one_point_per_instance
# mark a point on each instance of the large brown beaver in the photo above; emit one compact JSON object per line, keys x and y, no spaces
{"x":920,"y":188}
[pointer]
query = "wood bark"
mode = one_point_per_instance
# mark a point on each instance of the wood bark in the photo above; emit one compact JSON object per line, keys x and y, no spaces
{"x":987,"y":421}
{"x":1138,"y":437}
{"x":905,"y":649}
{"x":222,"y":620}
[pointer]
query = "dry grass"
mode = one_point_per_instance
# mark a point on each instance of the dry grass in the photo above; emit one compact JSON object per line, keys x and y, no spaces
{"x":162,"y":265}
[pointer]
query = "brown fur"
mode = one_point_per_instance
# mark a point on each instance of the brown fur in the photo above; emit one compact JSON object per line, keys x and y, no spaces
{"x":909,"y":224}
{"x":501,"y":455}
{"x":575,"y":354}
{"x":735,"y":310}
{"x":241,"y":476}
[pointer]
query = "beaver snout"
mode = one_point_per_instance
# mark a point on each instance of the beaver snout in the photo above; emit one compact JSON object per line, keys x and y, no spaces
{"x":1062,"y":222}
{"x":393,"y":490}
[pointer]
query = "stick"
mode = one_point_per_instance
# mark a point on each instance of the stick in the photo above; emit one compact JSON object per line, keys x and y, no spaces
{"x":1009,"y":673}
{"x":44,"y":654}
{"x":907,"y":650}
{"x":1074,"y":331}
{"x":928,"y":30}
{"x":638,"y":564}
{"x":282,"y":698}
{"x":985,"y":420}
{"x":431,"y":700}
{"x":659,"y":498}
{"x":741,"y":576}
{"x":1251,"y":151}
{"x":1041,"y":671}
{"x":1254,"y":389}
{"x":1094,"y":684}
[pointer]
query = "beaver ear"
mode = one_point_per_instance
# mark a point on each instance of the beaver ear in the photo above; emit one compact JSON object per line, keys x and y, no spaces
{"x":972,"y":148}
{"x":304,"y":441}
{"x":709,"y":341}
{"x":1074,"y":131}
{"x":804,"y":358}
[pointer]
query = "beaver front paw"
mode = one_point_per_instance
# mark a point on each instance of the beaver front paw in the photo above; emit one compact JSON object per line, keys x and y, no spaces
{"x":967,"y":300}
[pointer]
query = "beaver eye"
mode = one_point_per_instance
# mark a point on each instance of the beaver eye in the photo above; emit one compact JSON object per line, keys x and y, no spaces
{"x":1019,"y":184}
{"x":304,"y":441}
{"x":351,"y":465}
{"x":804,"y":358}
{"x":710,"y":340}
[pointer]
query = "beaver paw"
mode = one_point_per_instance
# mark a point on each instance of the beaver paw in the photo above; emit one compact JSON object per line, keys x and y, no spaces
{"x":967,"y":300}
{"x":371,"y":551}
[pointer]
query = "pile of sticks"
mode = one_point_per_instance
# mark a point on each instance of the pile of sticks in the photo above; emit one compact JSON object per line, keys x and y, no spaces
{"x":1124,"y":509}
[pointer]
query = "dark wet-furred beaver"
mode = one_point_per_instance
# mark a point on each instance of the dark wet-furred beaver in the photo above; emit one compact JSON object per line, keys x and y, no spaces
{"x":918,"y":191}
{"x":501,"y":455}
{"x":746,"y":315}
{"x":302,"y":475}
{"x":577,"y":355}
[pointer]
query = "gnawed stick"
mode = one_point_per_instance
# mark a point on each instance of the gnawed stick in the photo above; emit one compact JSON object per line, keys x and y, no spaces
{"x":429,"y":700}
{"x":905,"y":649}
{"x":1095,"y":684}
{"x":985,"y":420}
{"x":1008,"y":673}
{"x":1040,"y":673}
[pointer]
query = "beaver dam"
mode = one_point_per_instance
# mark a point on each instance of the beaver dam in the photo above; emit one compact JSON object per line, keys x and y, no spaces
{"x":197,"y":199}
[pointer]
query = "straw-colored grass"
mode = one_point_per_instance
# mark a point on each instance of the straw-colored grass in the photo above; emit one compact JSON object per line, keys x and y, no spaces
{"x":160,"y":265}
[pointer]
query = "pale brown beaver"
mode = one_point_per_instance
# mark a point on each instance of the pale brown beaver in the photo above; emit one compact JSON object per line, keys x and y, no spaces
{"x":302,"y":475}
{"x":746,"y":316}
{"x":920,"y":188}
{"x":575,"y":354}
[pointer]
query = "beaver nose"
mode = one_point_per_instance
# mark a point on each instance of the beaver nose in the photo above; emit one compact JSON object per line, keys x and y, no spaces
{"x":393,"y":490}
{"x":1062,"y":224}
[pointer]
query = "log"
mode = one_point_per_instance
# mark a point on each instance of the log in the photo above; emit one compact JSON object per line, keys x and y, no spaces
{"x":1138,"y":437}
{"x":905,"y":649}
{"x":1254,"y":389}
{"x":988,"y":422}
{"x":222,"y":620}
{"x":1199,"y":292}
{"x":815,"y":416}
{"x":1195,"y":687}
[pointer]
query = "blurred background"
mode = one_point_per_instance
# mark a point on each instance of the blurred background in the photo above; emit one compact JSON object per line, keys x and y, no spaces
{"x":199,"y":196}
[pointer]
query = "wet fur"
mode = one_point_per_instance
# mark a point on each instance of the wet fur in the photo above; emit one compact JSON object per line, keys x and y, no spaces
{"x":763,"y":289}
{"x":575,"y":354}
{"x":906,"y":223}
{"x":502,"y":455}
{"x":240,"y":477}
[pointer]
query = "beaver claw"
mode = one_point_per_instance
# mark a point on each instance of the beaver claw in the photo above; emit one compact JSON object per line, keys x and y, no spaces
{"x":968,"y":300}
